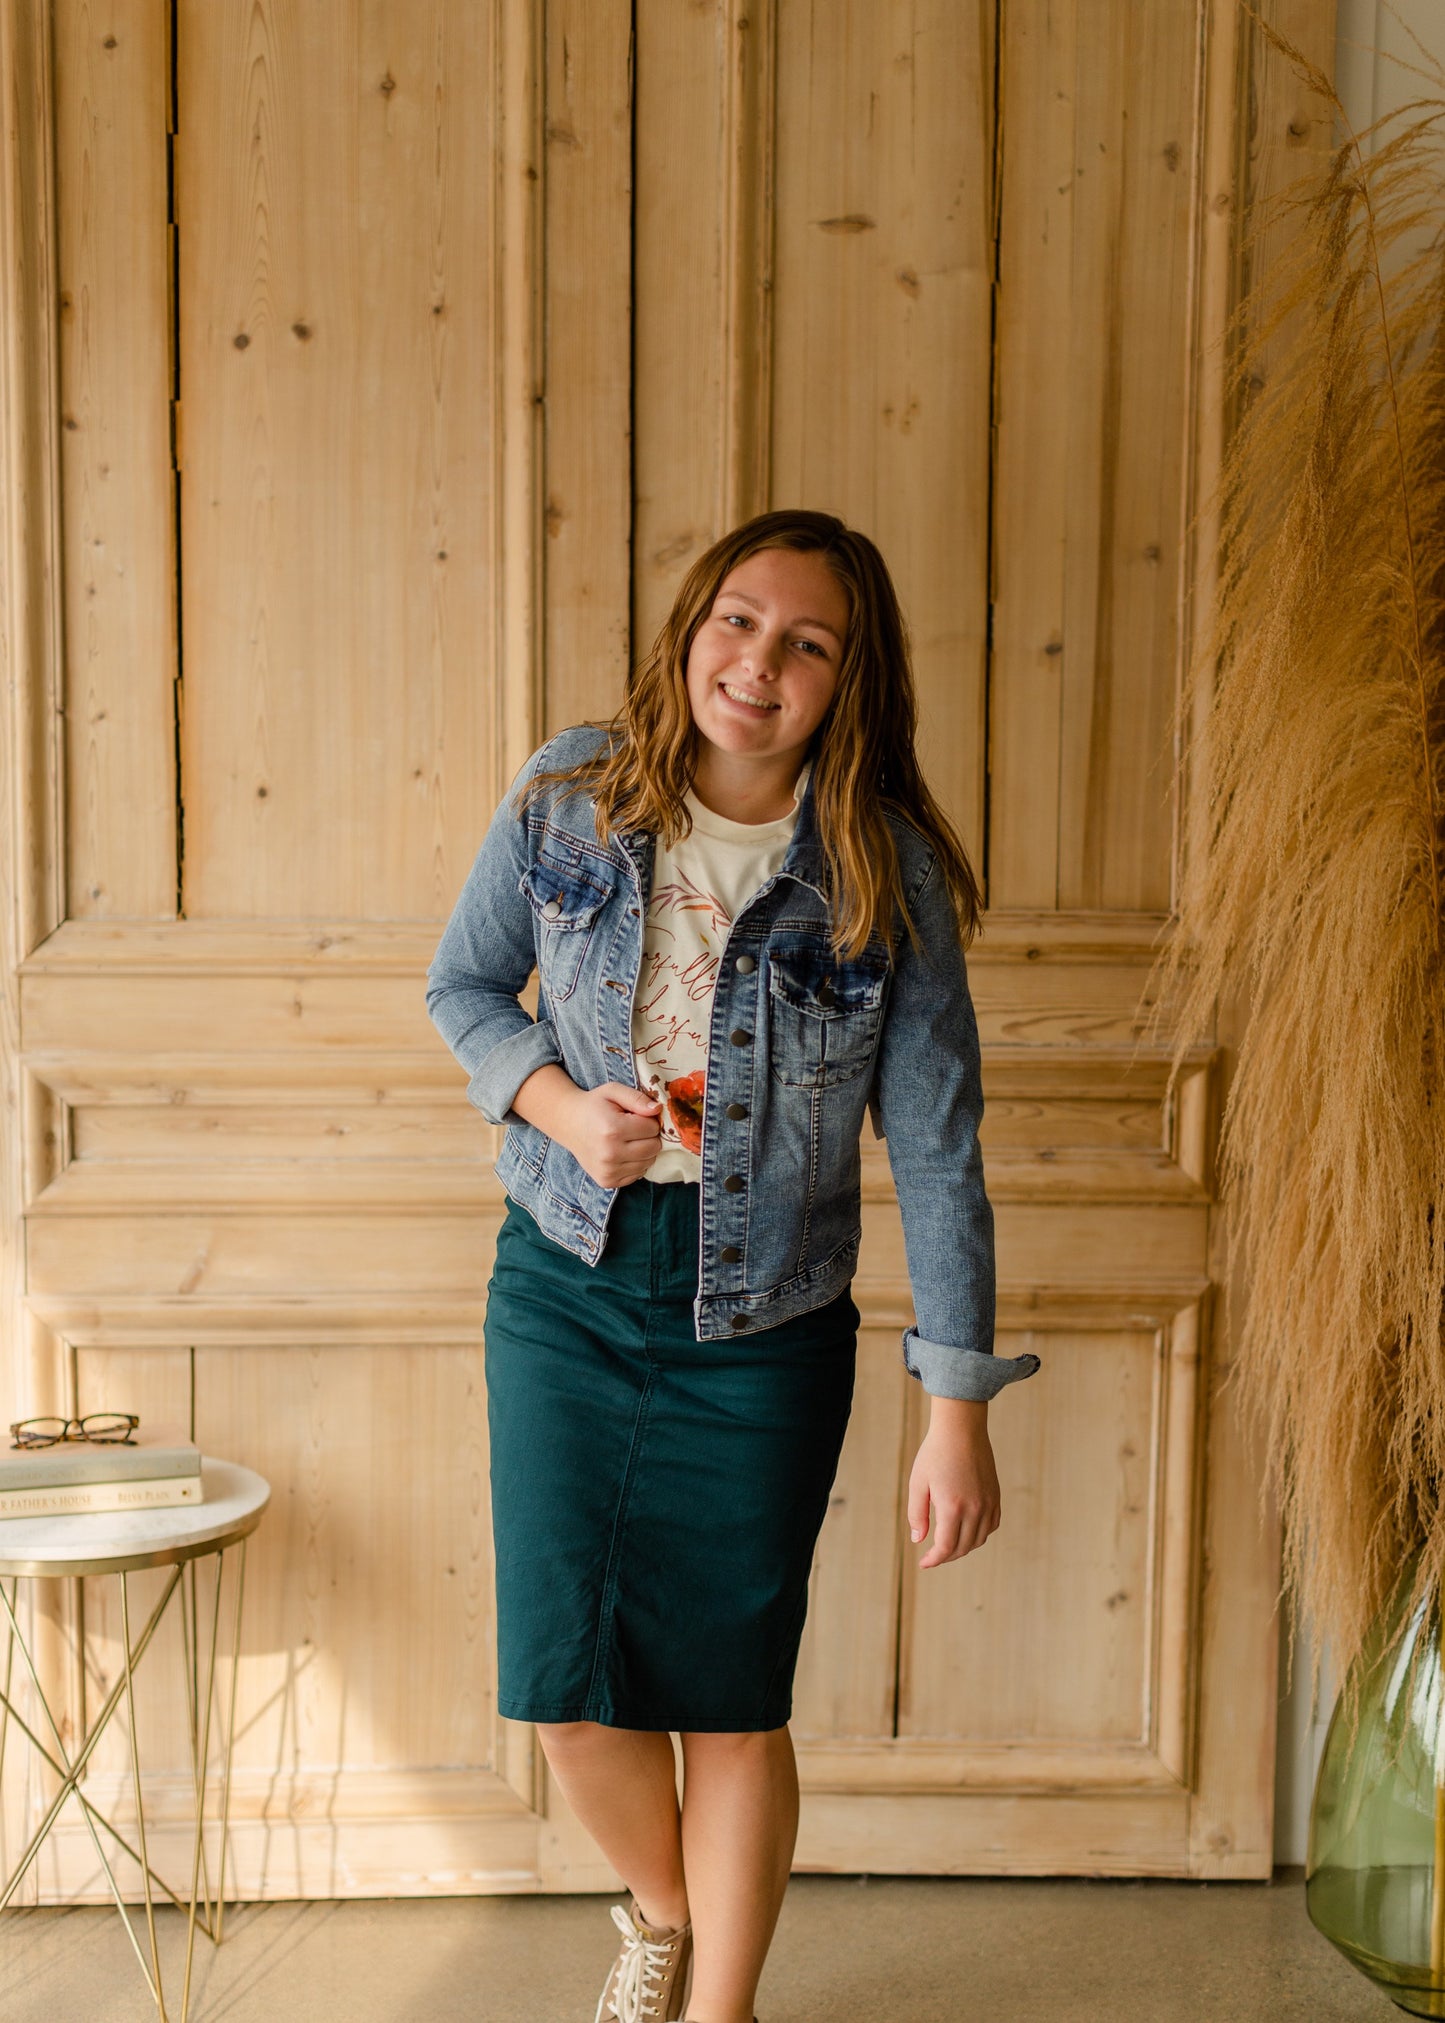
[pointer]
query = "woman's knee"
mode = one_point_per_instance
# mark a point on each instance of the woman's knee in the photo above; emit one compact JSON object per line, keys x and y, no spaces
{"x":747,"y":1741}
{"x":570,"y":1735}
{"x":578,"y":1736}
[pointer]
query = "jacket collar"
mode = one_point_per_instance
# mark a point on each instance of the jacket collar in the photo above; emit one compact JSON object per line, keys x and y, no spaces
{"x":804,"y":861}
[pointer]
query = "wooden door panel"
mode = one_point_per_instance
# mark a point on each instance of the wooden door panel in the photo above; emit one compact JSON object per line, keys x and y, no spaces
{"x":1100,"y":131}
{"x":347,"y":1544}
{"x":337,"y":350}
{"x":377,"y":375}
{"x":846,"y":1682}
{"x":1074,"y":1473}
{"x":367,"y":1669}
{"x":114,"y":243}
{"x":1097,"y":1493}
{"x":882,"y":304}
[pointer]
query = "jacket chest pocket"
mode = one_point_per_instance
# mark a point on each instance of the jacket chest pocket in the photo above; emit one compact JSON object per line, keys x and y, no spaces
{"x":566,"y":896}
{"x":823,"y":1012}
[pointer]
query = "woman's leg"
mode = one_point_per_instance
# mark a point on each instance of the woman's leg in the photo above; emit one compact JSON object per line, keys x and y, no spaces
{"x":735,"y":1835}
{"x":739,"y":1829}
{"x":622,"y":1785}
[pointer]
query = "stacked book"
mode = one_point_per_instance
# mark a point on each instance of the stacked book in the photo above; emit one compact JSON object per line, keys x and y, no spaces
{"x":153,"y":1470}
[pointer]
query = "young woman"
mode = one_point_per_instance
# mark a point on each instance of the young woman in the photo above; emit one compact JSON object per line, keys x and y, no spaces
{"x":747,"y":915}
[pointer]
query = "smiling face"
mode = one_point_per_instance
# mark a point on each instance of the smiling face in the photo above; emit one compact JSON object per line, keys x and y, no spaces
{"x":762,"y":669}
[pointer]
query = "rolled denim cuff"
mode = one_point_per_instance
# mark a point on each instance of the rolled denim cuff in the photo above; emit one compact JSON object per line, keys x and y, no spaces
{"x":502,"y":1071}
{"x":961,"y":1373}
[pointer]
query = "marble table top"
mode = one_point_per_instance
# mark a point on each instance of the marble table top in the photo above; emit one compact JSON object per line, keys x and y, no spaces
{"x":119,"y":1541}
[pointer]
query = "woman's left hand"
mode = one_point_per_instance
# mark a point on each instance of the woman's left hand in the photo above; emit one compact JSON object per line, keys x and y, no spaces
{"x":954,"y":1480}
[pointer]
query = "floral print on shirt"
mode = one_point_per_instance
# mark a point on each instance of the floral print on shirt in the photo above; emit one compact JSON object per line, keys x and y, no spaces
{"x":686,"y":927}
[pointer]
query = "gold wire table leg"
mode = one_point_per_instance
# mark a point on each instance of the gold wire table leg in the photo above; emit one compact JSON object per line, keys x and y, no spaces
{"x":93,"y":1812}
{"x":190,"y":1633}
{"x":69,"y":1774}
{"x":201,"y":1787}
{"x":196,"y":1682}
{"x":5,"y":1698}
{"x":145,"y":1869}
{"x":230,"y":1740}
{"x":62,"y":1770}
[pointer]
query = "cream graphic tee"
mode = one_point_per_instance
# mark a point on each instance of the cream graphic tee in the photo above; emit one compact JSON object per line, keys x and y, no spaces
{"x":698,"y":888}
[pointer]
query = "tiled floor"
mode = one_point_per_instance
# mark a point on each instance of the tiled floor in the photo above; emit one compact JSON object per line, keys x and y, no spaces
{"x":877,"y":1949}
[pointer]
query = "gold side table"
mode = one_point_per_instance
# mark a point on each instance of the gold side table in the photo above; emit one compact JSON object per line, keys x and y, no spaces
{"x":121,"y":1543}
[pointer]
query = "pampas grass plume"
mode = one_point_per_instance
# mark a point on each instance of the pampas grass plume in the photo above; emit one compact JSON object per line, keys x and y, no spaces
{"x":1320,"y":689}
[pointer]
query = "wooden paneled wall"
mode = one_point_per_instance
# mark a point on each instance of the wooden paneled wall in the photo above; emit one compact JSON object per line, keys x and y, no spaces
{"x":372,"y":376}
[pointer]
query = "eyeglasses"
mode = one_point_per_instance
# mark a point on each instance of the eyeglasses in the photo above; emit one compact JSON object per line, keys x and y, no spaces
{"x":104,"y":1428}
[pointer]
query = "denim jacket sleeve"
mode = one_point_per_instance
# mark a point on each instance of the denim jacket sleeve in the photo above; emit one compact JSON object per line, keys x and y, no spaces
{"x":927,"y":1098}
{"x":482,"y":963}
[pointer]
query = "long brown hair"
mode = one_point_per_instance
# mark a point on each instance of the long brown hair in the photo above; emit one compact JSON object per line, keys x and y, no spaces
{"x":864,"y":762}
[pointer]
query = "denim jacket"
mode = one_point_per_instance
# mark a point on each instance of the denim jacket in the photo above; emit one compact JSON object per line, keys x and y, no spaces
{"x":801,"y":1043}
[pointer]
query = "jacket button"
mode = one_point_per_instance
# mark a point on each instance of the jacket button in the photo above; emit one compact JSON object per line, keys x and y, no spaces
{"x":729,"y":1253}
{"x":738,"y":1037}
{"x":740,"y":1320}
{"x":737,"y":1111}
{"x":552,"y":909}
{"x":734,"y":1183}
{"x":745,"y":965}
{"x":825,"y":994}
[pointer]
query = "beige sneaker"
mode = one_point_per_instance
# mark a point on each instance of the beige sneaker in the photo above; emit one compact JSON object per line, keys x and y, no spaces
{"x":652,"y":1975}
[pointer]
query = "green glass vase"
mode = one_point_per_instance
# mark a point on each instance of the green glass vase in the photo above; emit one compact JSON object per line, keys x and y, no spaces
{"x":1375,"y":1867}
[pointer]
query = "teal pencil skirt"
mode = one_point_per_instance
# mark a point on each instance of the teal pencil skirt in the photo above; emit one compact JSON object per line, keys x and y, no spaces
{"x":655,"y":1499}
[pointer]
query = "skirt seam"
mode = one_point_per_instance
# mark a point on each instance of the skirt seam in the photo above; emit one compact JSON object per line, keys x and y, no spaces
{"x":608,"y":1714}
{"x":612,"y":1574}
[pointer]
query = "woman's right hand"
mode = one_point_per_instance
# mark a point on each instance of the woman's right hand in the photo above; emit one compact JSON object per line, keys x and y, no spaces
{"x":614,"y":1133}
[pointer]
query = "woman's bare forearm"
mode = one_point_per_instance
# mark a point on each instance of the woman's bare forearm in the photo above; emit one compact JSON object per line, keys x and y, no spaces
{"x":613,"y":1132}
{"x":546,"y":1099}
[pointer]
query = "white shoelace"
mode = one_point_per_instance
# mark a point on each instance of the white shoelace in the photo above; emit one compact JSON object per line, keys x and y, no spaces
{"x":640,"y":1976}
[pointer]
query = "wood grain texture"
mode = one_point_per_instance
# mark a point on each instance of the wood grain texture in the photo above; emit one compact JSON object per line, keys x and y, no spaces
{"x":846,"y":1679}
{"x":531,"y":311}
{"x":682,"y":260}
{"x":1102,"y":1533}
{"x":750,"y":141}
{"x":1134,"y":1833}
{"x":1100,"y":134}
{"x":516,"y":479}
{"x":349,"y":1545}
{"x":32,"y":782}
{"x":117,"y":380}
{"x":338,"y":352}
{"x":328,"y":1712}
{"x":882,"y":313}
{"x":587,"y":173}
{"x":32,"y":760}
